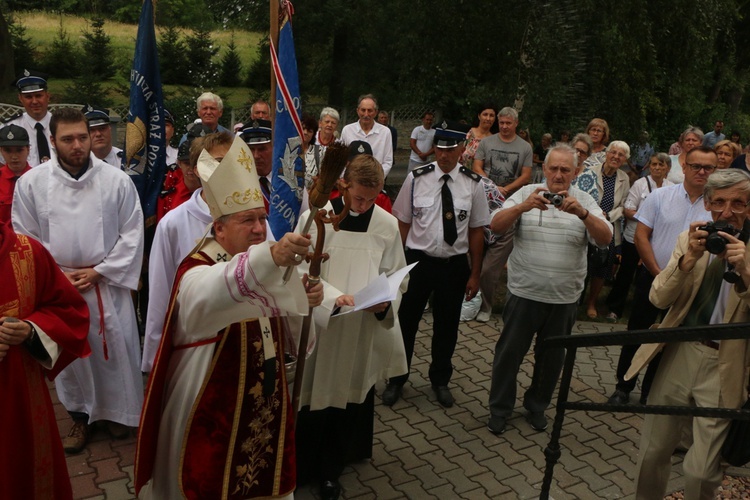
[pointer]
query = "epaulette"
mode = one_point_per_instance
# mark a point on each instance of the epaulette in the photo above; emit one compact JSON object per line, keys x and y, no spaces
{"x":423,"y":170}
{"x":14,"y":117}
{"x":471,"y":174}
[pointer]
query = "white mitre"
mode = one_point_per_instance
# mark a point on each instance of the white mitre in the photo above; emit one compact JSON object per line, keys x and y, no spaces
{"x":231,"y":185}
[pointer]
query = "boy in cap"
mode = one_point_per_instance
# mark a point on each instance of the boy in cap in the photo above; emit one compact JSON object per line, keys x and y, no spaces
{"x":14,"y":146}
{"x":441,"y":210}
{"x":33,"y":95}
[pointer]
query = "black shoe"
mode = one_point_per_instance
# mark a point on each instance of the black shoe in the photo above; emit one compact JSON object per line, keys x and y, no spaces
{"x":537,"y":420}
{"x":330,"y":490}
{"x":444,"y":395}
{"x":392,"y":393}
{"x":619,"y":398}
{"x":496,"y":425}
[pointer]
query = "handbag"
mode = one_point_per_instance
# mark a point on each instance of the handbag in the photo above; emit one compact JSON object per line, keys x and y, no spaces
{"x":736,"y":447}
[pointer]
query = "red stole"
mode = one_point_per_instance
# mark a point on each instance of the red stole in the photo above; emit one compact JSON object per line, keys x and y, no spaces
{"x":32,"y":463}
{"x":238,"y":443}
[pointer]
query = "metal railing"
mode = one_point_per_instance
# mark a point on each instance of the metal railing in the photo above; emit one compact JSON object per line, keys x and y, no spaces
{"x":572,"y":342}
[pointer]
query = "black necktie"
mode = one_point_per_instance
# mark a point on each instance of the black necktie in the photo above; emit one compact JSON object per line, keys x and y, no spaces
{"x":449,"y":217}
{"x":42,"y":146}
{"x":266,"y":186}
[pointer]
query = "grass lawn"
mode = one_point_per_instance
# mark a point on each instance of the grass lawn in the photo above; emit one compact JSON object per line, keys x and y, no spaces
{"x":43,"y":27}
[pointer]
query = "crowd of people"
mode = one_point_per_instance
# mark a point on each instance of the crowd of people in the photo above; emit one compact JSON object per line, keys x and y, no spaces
{"x":216,"y":419}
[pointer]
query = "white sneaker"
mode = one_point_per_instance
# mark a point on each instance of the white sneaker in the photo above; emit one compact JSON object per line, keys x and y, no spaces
{"x":484,"y":316}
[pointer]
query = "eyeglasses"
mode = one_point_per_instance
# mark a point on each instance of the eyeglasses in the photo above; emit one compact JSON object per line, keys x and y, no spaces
{"x":582,"y":152}
{"x":737,"y":206}
{"x":596,"y":129}
{"x":696,"y":167}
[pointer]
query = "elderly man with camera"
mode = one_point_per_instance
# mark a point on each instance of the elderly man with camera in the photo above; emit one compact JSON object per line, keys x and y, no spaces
{"x":554,"y":223}
{"x":705,"y":283}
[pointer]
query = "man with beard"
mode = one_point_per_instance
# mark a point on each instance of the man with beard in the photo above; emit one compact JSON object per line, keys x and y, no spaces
{"x":88,"y":216}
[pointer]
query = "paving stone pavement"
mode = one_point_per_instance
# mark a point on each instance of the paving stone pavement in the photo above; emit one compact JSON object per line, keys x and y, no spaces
{"x":422,"y":450}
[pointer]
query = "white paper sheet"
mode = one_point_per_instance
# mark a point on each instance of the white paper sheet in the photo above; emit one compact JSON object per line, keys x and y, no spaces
{"x":381,"y":289}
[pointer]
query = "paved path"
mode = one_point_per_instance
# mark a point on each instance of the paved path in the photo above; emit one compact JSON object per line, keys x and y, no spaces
{"x":422,"y":450}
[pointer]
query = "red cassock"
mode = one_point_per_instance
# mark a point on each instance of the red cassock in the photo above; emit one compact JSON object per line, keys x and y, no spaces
{"x":32,"y":463}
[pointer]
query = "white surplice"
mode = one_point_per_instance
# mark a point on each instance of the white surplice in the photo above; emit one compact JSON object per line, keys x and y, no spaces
{"x":210,"y":298}
{"x":355,"y":350}
{"x":176,"y":236}
{"x":95,"y":221}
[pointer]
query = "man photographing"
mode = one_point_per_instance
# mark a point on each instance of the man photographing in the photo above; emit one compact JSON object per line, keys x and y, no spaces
{"x":705,"y":283}
{"x":554,"y":222}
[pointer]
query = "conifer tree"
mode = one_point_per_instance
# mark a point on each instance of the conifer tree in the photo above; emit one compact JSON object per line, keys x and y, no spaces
{"x":202,"y":72}
{"x":97,"y":51}
{"x":231,"y":66}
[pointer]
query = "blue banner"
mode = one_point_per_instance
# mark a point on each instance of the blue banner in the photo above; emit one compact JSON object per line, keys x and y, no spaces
{"x":145,"y":139}
{"x":288,"y":168}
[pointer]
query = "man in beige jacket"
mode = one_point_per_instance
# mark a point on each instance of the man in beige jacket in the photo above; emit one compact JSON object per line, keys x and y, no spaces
{"x":702,"y":374}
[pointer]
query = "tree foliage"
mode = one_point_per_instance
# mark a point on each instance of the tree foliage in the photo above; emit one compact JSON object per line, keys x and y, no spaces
{"x":202,"y":70}
{"x":231,"y":66}
{"x":24,"y":49}
{"x":97,"y":51}
{"x":172,"y":55}
{"x":63,"y":58}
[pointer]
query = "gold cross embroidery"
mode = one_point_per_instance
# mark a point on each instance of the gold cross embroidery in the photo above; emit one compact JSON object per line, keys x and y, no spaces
{"x":245,"y":160}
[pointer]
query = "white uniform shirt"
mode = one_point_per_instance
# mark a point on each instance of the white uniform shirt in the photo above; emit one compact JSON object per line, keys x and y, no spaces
{"x":419,"y":203}
{"x":29,"y":124}
{"x":114,"y":157}
{"x":379,"y":138}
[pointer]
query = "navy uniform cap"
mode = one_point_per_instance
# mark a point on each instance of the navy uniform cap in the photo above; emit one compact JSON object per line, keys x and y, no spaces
{"x":449,"y":134}
{"x":97,"y":117}
{"x":13,"y":135}
{"x":30,"y":81}
{"x":357,"y":148}
{"x":257,"y":132}
{"x":183,"y":152}
{"x":168,"y":117}
{"x":197,"y":130}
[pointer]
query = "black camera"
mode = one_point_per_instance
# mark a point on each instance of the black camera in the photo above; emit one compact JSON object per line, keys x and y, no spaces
{"x":555,"y":198}
{"x":715,"y":243}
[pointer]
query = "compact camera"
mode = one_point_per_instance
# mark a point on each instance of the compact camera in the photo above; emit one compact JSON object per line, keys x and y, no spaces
{"x":715,"y":243}
{"x":555,"y":198}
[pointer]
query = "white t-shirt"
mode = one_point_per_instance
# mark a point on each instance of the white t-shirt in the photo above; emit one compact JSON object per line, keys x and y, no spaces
{"x":424,"y":140}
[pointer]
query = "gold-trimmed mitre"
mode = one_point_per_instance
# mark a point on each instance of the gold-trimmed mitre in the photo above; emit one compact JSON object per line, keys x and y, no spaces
{"x":231,"y":185}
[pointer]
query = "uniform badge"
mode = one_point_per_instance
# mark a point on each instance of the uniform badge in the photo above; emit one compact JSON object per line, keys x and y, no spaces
{"x":449,"y":215}
{"x":360,"y":149}
{"x":462,"y":215}
{"x":10,"y":136}
{"x":26,"y":72}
